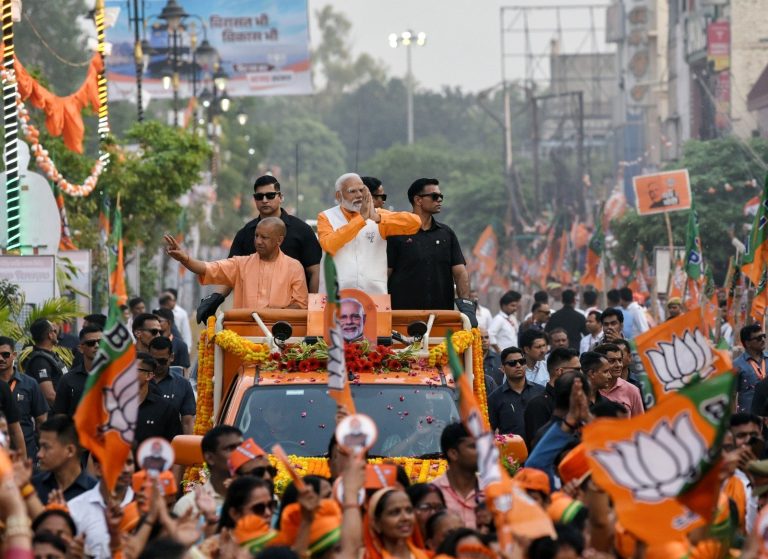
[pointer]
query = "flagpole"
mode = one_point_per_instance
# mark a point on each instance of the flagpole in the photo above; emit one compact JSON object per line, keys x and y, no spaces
{"x":671,"y":254}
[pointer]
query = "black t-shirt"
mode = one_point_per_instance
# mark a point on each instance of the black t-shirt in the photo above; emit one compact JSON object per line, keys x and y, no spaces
{"x":180,"y":352}
{"x":422,"y":275}
{"x":70,"y":391}
{"x":156,"y":418}
{"x":8,"y":404}
{"x":300,"y":241}
{"x":44,"y":365}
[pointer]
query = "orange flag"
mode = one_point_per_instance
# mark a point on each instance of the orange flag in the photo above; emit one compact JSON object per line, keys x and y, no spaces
{"x":678,"y":352}
{"x":486,"y":251}
{"x":106,"y":415}
{"x":516,"y":514}
{"x":677,"y":284}
{"x":664,"y":465}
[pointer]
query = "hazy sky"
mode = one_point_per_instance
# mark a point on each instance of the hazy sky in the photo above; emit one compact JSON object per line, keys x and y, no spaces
{"x":463,"y":36}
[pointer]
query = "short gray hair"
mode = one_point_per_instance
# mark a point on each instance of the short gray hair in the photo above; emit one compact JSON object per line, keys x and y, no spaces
{"x":344,"y":178}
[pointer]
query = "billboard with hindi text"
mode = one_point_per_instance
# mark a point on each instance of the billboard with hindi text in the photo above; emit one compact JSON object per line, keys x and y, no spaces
{"x":262,"y":46}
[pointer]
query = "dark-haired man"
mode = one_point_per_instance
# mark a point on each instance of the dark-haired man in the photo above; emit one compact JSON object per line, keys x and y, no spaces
{"x":156,"y":417}
{"x":504,"y":326}
{"x":217,"y":446}
{"x":751,"y":365}
{"x":598,"y":371}
{"x":612,"y":321}
{"x":72,"y":385}
{"x":425,"y":265}
{"x":506,"y":406}
{"x":539,"y":410}
{"x":180,"y":326}
{"x":568,"y":318}
{"x":355,"y":233}
{"x":43,"y":364}
{"x":19,"y":393}
{"x":180,"y":349}
{"x":146,"y":327}
{"x":594,"y":331}
{"x":299,"y":242}
{"x":619,"y":390}
{"x":459,"y":482}
{"x":171,"y":385}
{"x":60,"y":462}
{"x":635,"y":322}
{"x":377,"y":191}
{"x":534,"y":345}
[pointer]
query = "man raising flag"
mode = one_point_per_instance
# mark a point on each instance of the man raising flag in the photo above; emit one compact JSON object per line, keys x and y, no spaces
{"x":106,"y":415}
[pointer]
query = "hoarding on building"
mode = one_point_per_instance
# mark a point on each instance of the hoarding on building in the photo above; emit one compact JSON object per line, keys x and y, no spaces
{"x":263,"y":47}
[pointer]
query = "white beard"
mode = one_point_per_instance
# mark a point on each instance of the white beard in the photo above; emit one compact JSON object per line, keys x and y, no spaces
{"x":351,"y":206}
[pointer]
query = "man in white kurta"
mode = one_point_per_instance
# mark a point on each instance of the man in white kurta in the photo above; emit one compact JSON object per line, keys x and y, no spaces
{"x":355,"y":234}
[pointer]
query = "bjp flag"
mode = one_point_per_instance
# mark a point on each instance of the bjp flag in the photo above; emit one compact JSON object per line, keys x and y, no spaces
{"x":515,"y":514}
{"x":678,"y":352}
{"x":486,"y":251}
{"x":664,"y":465}
{"x":106,"y":415}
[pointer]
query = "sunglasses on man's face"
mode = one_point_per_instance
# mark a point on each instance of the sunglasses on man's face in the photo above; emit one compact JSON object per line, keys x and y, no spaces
{"x":153,"y":331}
{"x":758,"y":338}
{"x":90,"y":343}
{"x":513,"y":362}
{"x":162,"y":361}
{"x":436,"y":196}
{"x":259,"y":196}
{"x":259,"y":472}
{"x":260,"y":508}
{"x":382,"y":197}
{"x":5,"y":354}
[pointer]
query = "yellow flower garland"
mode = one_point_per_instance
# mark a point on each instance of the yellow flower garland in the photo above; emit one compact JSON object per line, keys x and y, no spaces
{"x":419,"y":471}
{"x":461,"y":340}
{"x":246,"y":350}
{"x":478,"y":371}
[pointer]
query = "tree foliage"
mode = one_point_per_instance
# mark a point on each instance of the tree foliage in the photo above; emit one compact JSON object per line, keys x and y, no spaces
{"x":711,"y":165}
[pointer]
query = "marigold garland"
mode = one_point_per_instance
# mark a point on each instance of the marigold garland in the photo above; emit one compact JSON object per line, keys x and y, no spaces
{"x":461,"y":340}
{"x":418,"y":470}
{"x":204,"y":411}
{"x":246,"y":350}
{"x":478,"y":372}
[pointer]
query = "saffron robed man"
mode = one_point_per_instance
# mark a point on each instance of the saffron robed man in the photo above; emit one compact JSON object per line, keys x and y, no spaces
{"x":354,"y":232}
{"x":266,"y":279}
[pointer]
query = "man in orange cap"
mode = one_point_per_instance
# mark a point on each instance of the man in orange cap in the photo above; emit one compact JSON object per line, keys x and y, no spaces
{"x":249,"y":459}
{"x":535,"y":483}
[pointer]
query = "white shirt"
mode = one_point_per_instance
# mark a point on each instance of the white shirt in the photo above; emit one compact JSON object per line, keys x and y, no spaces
{"x":539,"y":374}
{"x":637,"y":315}
{"x":751,"y":499}
{"x":181,"y":320}
{"x":589,"y":341}
{"x":503,"y":330}
{"x":484,"y":317}
{"x":87,"y":510}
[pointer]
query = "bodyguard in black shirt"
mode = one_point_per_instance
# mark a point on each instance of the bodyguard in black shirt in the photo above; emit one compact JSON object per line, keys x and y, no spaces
{"x":72,"y":385}
{"x":156,"y":418}
{"x":7,"y":404}
{"x":424,"y":267}
{"x":43,"y":364}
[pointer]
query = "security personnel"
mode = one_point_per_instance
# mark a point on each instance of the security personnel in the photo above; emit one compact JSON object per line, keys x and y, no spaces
{"x":156,"y":417}
{"x":171,"y":385}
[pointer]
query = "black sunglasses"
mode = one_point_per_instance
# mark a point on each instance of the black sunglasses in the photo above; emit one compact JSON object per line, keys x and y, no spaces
{"x":146,"y":371}
{"x":260,"y":508}
{"x":153,"y":331}
{"x":259,"y":472}
{"x":5,"y":354}
{"x":91,"y":343}
{"x":759,"y":338}
{"x":259,"y":196}
{"x":436,"y":196}
{"x":162,"y":361}
{"x":513,"y":362}
{"x":382,"y":197}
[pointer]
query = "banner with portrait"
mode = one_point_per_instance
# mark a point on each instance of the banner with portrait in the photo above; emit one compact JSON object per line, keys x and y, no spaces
{"x":262,"y":46}
{"x":669,"y":191}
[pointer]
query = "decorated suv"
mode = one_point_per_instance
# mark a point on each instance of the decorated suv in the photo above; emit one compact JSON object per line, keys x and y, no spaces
{"x":265,"y":373}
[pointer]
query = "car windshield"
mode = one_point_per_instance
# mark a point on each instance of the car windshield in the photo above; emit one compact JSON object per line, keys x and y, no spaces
{"x":301,"y":418}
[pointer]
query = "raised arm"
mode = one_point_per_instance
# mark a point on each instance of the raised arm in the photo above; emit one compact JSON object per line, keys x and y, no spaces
{"x":174,"y":250}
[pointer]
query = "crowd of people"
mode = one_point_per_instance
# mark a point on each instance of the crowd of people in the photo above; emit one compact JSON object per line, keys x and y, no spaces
{"x":549,"y":368}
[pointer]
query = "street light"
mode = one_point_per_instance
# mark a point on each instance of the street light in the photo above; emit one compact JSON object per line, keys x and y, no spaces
{"x":173,"y":14}
{"x":408,"y":39}
{"x":242,"y":118}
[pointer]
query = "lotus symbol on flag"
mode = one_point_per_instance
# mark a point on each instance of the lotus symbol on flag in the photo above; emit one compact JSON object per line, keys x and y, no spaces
{"x":656,"y":465}
{"x":675,"y":363}
{"x":121,"y":401}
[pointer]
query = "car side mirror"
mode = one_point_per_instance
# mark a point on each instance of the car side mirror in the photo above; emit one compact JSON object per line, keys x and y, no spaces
{"x":281,"y":331}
